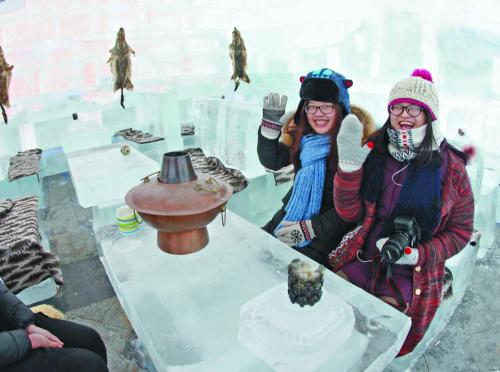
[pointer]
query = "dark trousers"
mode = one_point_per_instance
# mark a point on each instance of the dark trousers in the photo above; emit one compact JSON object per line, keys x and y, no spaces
{"x":83,"y":350}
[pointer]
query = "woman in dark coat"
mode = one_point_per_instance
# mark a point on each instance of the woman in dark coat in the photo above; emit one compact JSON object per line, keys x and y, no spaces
{"x":34,"y":342}
{"x":307,"y":221}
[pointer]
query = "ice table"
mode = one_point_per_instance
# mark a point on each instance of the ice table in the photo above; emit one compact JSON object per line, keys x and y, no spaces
{"x":153,"y":150}
{"x":102,"y":175}
{"x":187,"y":310}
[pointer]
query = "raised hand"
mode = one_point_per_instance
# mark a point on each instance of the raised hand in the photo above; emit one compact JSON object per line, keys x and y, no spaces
{"x":351,"y":154}
{"x":273,"y":110}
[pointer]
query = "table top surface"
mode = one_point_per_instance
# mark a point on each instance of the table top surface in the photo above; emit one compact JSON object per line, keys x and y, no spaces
{"x":85,"y":135}
{"x":225,"y":307}
{"x":102,"y":175}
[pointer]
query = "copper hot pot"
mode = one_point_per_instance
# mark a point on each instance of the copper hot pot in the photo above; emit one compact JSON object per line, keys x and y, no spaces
{"x":179,"y":203}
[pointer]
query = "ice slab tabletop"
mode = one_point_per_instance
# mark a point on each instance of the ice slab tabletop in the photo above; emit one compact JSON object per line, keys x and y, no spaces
{"x":102,"y":175}
{"x":187,"y":310}
{"x":84,"y":135}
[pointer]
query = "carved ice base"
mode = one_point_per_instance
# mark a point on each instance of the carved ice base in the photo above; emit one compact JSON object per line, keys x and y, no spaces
{"x":290,"y":338}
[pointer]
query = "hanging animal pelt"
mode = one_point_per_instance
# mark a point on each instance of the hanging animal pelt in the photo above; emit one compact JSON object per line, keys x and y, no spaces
{"x":121,"y":65}
{"x":5,"y":76}
{"x":238,"y":54}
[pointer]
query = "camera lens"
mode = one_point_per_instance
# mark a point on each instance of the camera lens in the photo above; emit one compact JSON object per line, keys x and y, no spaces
{"x":394,"y":247}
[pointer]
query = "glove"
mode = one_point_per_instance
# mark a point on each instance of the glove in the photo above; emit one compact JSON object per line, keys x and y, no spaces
{"x":272,"y":112}
{"x":410,"y":256}
{"x":295,"y":233}
{"x":351,"y":154}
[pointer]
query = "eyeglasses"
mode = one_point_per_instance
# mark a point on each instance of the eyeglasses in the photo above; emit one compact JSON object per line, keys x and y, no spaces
{"x":412,"y":110}
{"x":325,"y":109}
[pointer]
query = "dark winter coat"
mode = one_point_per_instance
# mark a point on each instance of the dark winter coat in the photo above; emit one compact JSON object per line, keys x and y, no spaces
{"x":328,"y":226}
{"x":14,"y":317}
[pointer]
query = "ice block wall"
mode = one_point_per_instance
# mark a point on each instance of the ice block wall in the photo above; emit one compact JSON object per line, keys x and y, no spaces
{"x":59,"y":49}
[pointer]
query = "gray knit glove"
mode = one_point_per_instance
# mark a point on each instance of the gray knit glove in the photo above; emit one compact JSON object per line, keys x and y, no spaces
{"x":272,"y":112}
{"x":351,"y":154}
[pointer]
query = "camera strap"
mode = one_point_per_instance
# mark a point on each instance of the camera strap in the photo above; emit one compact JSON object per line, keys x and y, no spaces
{"x":394,"y":289}
{"x":376,"y":263}
{"x":377,"y":268}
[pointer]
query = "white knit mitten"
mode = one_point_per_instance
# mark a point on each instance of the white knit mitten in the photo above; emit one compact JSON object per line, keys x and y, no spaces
{"x":410,"y":256}
{"x":351,"y":154}
{"x":272,"y":113}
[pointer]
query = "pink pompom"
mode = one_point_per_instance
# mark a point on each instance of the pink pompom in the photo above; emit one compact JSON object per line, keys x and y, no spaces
{"x":423,"y":73}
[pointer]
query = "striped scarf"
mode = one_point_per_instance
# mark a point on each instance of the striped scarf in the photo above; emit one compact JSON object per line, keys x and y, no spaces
{"x":403,"y":144}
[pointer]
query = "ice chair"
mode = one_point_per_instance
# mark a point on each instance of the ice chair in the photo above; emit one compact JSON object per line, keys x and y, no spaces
{"x":461,"y":266}
{"x":118,"y":118}
{"x":261,"y":199}
{"x":25,"y":186}
{"x":190,"y":137}
{"x":156,"y":113}
{"x":484,"y":179}
{"x":485,"y":211}
{"x":21,"y":238}
{"x":227,"y":130}
{"x":22,"y":187}
{"x":44,"y":290}
{"x":10,"y":143}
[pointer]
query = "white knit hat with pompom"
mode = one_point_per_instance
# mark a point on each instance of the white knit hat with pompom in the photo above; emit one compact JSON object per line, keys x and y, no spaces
{"x":418,"y":89}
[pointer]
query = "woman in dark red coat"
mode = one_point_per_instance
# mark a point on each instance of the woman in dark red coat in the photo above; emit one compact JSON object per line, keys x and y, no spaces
{"x":414,"y":174}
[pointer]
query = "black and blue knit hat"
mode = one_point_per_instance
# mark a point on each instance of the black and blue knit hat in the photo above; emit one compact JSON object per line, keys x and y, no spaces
{"x":325,"y":85}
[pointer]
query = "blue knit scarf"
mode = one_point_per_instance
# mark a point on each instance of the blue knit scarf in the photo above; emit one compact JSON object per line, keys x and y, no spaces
{"x":307,"y":192}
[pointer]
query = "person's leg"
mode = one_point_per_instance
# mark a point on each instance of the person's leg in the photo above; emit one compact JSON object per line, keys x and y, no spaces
{"x":357,"y":273}
{"x":400,"y":285}
{"x":73,"y":335}
{"x":59,"y":360}
{"x":392,"y":301}
{"x":342,"y":275}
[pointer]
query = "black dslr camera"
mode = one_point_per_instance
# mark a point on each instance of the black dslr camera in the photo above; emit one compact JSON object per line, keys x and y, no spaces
{"x":406,"y":234}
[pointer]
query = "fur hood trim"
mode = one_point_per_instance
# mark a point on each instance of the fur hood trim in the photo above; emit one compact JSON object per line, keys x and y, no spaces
{"x":362,"y":114}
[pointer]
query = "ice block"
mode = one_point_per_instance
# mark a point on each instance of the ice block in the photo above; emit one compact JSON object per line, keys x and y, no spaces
{"x":187,"y":310}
